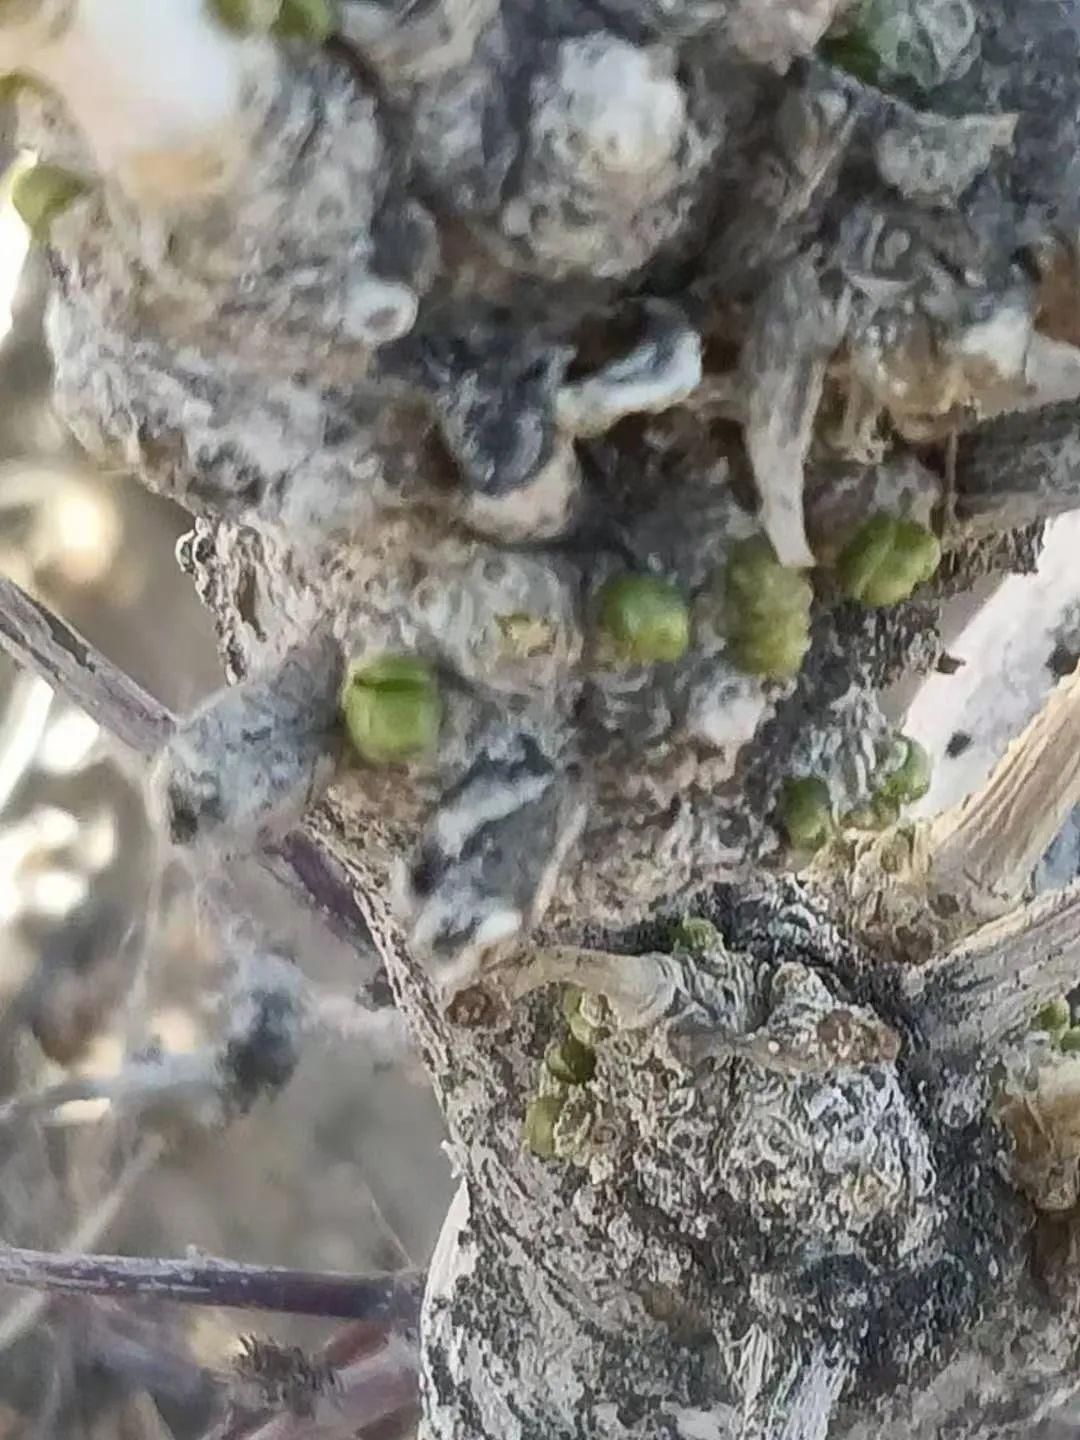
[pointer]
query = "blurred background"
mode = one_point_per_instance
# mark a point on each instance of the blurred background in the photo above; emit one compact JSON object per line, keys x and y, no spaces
{"x":104,"y":962}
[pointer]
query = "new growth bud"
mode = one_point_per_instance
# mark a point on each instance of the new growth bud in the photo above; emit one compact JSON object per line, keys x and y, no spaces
{"x":910,"y":779}
{"x":768,"y":611}
{"x":887,"y":560}
{"x":1055,"y":1016}
{"x":41,"y":193}
{"x":310,"y":20}
{"x":807,"y":813}
{"x":392,"y":709}
{"x":646,"y":619}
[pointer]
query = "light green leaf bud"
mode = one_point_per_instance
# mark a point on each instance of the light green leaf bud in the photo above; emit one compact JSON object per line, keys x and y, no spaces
{"x":41,"y":193}
{"x":310,"y":20}
{"x":767,"y":610}
{"x":246,"y":17}
{"x":886,"y":561}
{"x":910,"y":780}
{"x":540,"y":1117}
{"x":807,"y":812}
{"x":646,"y":619}
{"x":392,"y":709}
{"x":696,"y":934}
{"x":1055,"y":1016}
{"x":571,"y":1061}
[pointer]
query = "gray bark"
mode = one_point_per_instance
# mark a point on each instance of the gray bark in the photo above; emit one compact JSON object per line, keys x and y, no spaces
{"x":450,"y":334}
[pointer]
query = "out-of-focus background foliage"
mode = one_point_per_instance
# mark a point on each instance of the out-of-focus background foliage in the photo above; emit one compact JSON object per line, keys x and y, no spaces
{"x":102,"y":956}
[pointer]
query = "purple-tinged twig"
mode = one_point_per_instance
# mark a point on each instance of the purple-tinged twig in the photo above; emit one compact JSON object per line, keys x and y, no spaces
{"x":393,"y":1298}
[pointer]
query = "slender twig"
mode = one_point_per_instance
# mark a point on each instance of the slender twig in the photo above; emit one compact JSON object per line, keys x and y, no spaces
{"x":206,"y":1281}
{"x":43,"y":643}
{"x":1019,"y":468}
{"x":992,"y":984}
{"x":194,"y":1078}
{"x":989,"y":844}
{"x":917,"y":890}
{"x":40,"y":641}
{"x":26,"y":1313}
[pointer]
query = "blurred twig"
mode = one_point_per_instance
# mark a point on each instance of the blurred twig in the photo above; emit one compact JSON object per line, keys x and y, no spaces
{"x":206,"y":1281}
{"x":26,"y":1313}
{"x":40,"y":641}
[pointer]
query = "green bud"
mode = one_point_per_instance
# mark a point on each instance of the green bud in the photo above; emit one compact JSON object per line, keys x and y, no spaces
{"x":1055,"y":1016}
{"x":584,"y":1015}
{"x":878,"y":813}
{"x":852,"y":53}
{"x":540,"y":1117}
{"x":392,"y":709}
{"x":646,"y":618}
{"x":15,"y":82}
{"x":696,"y":934}
{"x":918,"y":43}
{"x":807,"y":812}
{"x":910,"y":780}
{"x":310,"y":20}
{"x":41,"y":193}
{"x":571,"y":1002}
{"x":887,"y":560}
{"x":1070,"y":1041}
{"x":247,"y":17}
{"x":768,"y":611}
{"x":570,"y":1061}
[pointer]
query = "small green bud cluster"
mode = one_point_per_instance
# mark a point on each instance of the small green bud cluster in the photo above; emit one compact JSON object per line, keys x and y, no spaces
{"x":696,"y":935}
{"x":39,"y":193}
{"x":906,"y":42}
{"x":1056,"y":1018}
{"x":853,"y":51}
{"x":570,"y":1062}
{"x":906,"y":780}
{"x":887,"y":560}
{"x":392,"y":709}
{"x":807,"y":813}
{"x":767,"y":611}
{"x":310,"y":20}
{"x":644,"y":619}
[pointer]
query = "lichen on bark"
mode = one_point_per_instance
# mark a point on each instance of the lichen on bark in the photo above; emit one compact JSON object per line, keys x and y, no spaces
{"x":441,"y":332}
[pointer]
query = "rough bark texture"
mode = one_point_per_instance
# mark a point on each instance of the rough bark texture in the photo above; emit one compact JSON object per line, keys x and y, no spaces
{"x":437,"y":331}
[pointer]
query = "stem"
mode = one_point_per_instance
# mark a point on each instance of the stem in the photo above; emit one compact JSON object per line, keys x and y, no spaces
{"x":205,"y":1281}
